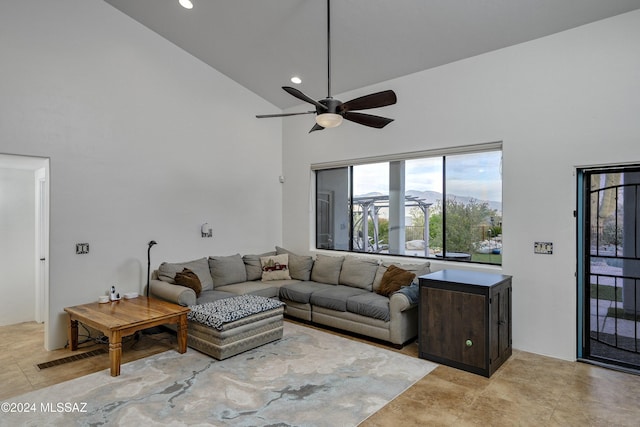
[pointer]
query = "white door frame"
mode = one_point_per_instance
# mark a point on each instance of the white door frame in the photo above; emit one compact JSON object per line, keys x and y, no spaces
{"x":42,"y":244}
{"x":40,"y":168}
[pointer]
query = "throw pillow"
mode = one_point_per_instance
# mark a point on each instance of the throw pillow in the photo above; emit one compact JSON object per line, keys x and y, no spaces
{"x":419,"y":270}
{"x":189,"y":279}
{"x":227,"y":270}
{"x":299,"y":265}
{"x":393,"y":279}
{"x":167,"y":271}
{"x":275,"y":267}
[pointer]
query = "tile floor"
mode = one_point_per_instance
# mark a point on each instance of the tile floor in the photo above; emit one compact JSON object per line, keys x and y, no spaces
{"x":22,"y":348}
{"x":528,"y":390}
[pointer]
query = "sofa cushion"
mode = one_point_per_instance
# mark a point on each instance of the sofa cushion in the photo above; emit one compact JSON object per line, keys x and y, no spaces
{"x":335,"y":298}
{"x":275,"y":267}
{"x":167,"y":271}
{"x":218,"y":313}
{"x":419,"y":270}
{"x":326,"y":269}
{"x":299,"y":265}
{"x":226,"y":270}
{"x":358,"y":272}
{"x":369,"y":305}
{"x":255,"y":287}
{"x":252,"y":265}
{"x":393,"y":279}
{"x":189,"y":279}
{"x":301,"y":291}
{"x":213,"y":295}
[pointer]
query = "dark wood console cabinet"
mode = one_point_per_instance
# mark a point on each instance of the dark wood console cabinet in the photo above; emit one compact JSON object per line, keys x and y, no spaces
{"x":465,"y":320}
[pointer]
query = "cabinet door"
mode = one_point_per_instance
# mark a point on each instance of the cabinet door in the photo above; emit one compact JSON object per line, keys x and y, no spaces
{"x":500,"y":344}
{"x":455,"y":326}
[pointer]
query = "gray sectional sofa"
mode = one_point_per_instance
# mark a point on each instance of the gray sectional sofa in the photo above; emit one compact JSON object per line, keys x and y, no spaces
{"x":335,"y":291}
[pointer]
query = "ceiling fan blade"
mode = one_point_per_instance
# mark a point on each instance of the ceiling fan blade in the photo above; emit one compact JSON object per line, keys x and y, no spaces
{"x":265,"y":116}
{"x":316,"y":127}
{"x":301,"y":96}
{"x":367,"y":119}
{"x":374,"y":100}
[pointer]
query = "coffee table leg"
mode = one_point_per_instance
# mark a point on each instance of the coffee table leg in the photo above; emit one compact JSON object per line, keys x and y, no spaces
{"x":73,"y":334}
{"x":182,"y":333}
{"x":115,"y":352}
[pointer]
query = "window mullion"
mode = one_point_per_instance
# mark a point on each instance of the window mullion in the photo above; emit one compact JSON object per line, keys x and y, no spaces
{"x":351,"y":211}
{"x":444,"y":207}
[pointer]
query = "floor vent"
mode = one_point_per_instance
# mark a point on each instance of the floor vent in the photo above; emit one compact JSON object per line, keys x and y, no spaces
{"x":73,"y":358}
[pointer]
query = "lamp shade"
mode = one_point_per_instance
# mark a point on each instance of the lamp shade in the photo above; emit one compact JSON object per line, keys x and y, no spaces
{"x":329,"y":120}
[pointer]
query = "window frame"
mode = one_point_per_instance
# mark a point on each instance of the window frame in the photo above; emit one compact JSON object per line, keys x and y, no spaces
{"x":437,"y":153}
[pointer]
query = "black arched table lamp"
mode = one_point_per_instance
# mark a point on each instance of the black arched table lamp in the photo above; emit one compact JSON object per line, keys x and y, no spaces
{"x":151,"y":243}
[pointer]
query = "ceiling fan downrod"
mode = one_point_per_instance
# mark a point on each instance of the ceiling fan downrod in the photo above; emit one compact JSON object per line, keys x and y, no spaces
{"x":328,"y":48}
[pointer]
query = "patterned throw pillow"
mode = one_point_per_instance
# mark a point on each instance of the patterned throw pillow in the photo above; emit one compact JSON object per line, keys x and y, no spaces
{"x":393,"y":279}
{"x":275,"y":267}
{"x":189,"y":279}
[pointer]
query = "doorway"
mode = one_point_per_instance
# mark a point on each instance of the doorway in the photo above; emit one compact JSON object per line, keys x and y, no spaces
{"x":609,"y":265}
{"x":24,"y":222}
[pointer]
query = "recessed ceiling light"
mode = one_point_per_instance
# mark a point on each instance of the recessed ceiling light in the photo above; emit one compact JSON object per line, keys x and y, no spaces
{"x":295,"y":79}
{"x":186,"y":4}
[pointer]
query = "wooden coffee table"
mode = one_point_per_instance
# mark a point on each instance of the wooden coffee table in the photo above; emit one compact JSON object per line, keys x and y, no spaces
{"x":118,"y":319}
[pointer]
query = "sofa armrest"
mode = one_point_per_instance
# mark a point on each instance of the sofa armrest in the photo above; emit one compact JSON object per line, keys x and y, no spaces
{"x":173,"y":293}
{"x":404,"y":319}
{"x":399,"y":302}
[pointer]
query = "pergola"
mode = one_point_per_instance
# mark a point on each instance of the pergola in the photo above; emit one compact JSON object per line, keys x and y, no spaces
{"x":370,"y":207}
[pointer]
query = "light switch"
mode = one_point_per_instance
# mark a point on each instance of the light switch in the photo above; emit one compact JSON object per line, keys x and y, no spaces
{"x":545,"y":248}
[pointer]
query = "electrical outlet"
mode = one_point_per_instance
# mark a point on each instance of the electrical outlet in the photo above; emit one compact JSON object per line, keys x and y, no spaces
{"x":82,"y":248}
{"x":545,"y":248}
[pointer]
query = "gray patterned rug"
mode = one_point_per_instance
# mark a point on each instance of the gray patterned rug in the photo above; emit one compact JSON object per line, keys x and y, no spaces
{"x":309,"y":378}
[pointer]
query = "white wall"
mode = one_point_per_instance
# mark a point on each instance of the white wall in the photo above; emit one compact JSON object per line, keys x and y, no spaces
{"x":563,"y":101}
{"x":145,"y":142}
{"x":17,"y":246}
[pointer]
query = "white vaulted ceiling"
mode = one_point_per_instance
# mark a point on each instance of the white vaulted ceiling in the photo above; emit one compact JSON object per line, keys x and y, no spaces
{"x":261,"y":44}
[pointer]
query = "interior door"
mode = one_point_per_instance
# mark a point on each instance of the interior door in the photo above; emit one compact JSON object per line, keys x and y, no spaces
{"x":42,"y":245}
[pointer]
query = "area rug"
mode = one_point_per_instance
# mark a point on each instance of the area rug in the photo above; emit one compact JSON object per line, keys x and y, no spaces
{"x":308,"y":378}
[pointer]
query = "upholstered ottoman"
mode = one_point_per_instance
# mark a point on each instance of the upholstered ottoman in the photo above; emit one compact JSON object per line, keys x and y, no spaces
{"x":233,"y":325}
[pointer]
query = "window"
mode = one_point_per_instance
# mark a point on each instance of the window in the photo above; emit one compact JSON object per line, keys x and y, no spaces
{"x":441,"y":206}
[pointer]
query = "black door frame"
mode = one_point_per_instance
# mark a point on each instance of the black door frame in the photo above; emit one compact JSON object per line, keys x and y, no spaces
{"x":624,"y":351}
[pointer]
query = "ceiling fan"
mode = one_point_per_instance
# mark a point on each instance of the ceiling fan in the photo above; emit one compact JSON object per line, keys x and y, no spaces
{"x":330,"y":112}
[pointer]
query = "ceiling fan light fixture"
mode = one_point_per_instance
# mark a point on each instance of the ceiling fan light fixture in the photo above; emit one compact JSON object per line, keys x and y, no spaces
{"x":329,"y":120}
{"x":186,"y":4}
{"x":296,"y":80}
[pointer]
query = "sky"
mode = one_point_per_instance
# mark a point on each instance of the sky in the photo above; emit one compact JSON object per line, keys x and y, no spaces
{"x":476,"y":175}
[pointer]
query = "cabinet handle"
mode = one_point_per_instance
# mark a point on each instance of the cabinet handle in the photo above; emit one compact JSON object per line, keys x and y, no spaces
{"x":469,"y":343}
